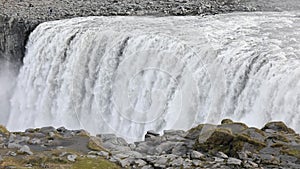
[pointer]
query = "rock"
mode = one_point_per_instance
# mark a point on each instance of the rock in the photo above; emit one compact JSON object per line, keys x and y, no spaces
{"x":279,"y":127}
{"x":11,"y":153}
{"x":269,"y":159}
{"x":91,"y":156}
{"x":200,"y":129}
{"x":95,"y":143}
{"x":25,"y":149}
{"x":1,"y":159}
{"x":234,"y":127}
{"x":47,"y":130}
{"x":166,"y":147}
{"x":226,"y":121}
{"x":218,"y":160}
{"x":34,"y":141}
{"x":221,"y":155}
{"x":215,"y":139}
{"x":252,"y":164}
{"x":72,"y":157}
{"x":140,"y":163}
{"x":150,"y":134}
{"x":124,"y":163}
{"x":51,"y":134}
{"x":13,"y":145}
{"x":233,"y":161}
{"x":3,"y":130}
{"x":61,"y":129}
{"x":196,"y":155}
{"x":177,"y":162}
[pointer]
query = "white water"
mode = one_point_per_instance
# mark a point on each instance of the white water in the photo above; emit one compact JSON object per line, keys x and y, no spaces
{"x":127,"y":75}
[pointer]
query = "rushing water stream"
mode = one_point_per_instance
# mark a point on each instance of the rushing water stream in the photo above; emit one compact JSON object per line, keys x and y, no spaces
{"x":127,"y":75}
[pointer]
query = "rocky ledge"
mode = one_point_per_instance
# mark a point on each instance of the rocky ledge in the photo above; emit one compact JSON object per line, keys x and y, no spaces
{"x":229,"y":145}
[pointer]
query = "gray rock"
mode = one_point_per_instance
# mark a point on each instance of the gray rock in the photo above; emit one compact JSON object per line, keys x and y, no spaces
{"x":196,"y":155}
{"x":151,"y":134}
{"x":13,"y":145}
{"x":221,"y":155}
{"x":177,"y":162}
{"x":47,"y":130}
{"x":218,"y":160}
{"x":91,"y":156}
{"x":233,"y":161}
{"x":35,"y":141}
{"x":25,"y":149}
{"x":124,"y":163}
{"x":72,"y":157}
{"x":51,"y":134}
{"x":196,"y":162}
{"x":11,"y":153}
{"x":140,"y":163}
{"x":252,"y":164}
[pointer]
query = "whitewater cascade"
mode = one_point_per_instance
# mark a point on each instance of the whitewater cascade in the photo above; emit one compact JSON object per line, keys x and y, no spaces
{"x":128,"y":75}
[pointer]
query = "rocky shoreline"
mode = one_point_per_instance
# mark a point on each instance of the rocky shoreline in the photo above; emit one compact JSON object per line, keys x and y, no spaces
{"x":228,"y":145}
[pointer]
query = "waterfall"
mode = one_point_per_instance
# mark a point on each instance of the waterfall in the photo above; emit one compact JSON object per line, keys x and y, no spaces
{"x":127,"y":75}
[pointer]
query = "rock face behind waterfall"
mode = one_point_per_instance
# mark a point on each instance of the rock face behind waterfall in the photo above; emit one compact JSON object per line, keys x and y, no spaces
{"x":229,"y":145}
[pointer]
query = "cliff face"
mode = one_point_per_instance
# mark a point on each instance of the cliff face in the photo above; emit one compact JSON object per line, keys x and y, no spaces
{"x":13,"y":36}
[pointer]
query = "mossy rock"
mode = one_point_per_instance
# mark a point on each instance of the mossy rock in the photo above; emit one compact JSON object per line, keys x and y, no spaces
{"x":97,"y":163}
{"x":95,"y":144}
{"x":292,"y":152}
{"x":255,"y":134}
{"x":226,"y":121}
{"x":279,"y":138}
{"x":234,"y":127}
{"x":3,"y":130}
{"x":196,"y":131}
{"x":215,"y":140}
{"x":278,"y":126}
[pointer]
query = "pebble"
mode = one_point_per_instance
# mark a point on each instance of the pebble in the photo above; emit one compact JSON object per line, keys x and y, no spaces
{"x":72,"y":157}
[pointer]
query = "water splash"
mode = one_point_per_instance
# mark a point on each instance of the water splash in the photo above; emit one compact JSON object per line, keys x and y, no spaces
{"x":127,"y":75}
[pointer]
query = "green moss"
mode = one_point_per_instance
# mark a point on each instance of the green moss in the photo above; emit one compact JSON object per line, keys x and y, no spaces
{"x":279,"y":137}
{"x":96,"y":163}
{"x":278,"y":126}
{"x":292,"y":152}
{"x":3,"y":130}
{"x":95,"y":144}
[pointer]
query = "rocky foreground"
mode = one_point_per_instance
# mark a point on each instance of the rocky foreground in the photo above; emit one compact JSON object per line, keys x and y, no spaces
{"x":229,"y":145}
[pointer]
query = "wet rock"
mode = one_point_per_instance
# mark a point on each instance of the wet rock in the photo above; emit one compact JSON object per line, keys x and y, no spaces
{"x":151,"y":134}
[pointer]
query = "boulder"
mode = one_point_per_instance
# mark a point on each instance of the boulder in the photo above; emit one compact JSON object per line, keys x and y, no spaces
{"x":95,"y":143}
{"x":278,"y":126}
